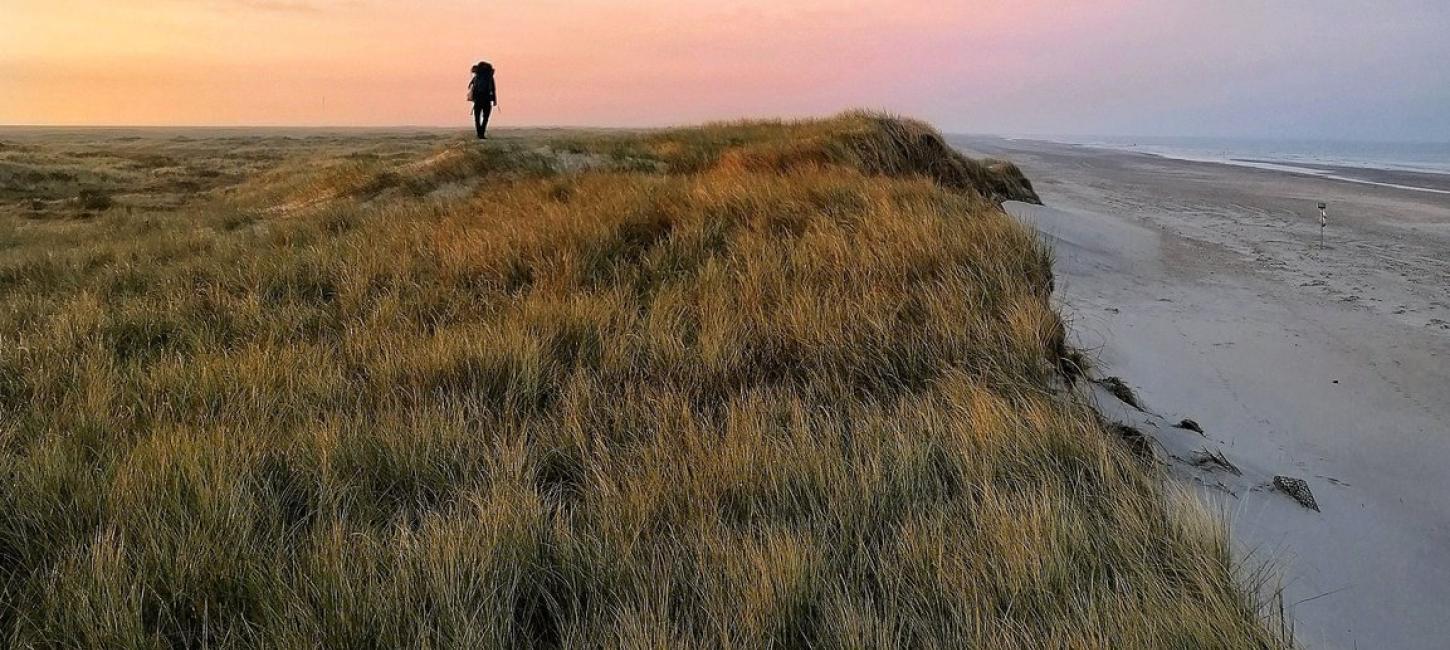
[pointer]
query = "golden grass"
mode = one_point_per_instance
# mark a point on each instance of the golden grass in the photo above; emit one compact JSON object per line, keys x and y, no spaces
{"x":745,"y":385}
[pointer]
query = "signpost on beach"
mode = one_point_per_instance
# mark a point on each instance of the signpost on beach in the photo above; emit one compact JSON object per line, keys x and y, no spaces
{"x":1323,"y":221}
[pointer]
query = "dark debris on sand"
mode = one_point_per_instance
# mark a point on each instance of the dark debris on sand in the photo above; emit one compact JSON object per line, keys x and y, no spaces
{"x":1120,"y":390}
{"x":1298,"y":489}
{"x":1190,"y":425}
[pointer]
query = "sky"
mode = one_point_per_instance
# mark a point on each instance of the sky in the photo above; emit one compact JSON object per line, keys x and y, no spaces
{"x":1336,"y":69}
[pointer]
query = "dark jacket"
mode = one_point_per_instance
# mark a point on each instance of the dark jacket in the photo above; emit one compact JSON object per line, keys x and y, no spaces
{"x":481,"y":90}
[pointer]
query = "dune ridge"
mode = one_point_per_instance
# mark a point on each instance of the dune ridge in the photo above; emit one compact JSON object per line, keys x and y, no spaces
{"x":756,"y":384}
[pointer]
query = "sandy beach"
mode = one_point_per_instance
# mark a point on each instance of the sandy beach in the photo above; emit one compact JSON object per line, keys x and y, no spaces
{"x":1204,"y":287}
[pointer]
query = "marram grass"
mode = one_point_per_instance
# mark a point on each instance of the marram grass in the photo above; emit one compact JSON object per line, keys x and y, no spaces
{"x":746,"y":385}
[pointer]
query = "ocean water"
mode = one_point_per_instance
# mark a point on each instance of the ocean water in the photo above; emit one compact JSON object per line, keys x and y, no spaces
{"x":1344,"y":160}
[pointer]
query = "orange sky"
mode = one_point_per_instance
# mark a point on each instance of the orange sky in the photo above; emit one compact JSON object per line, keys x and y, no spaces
{"x":565,"y":62}
{"x":972,"y":64}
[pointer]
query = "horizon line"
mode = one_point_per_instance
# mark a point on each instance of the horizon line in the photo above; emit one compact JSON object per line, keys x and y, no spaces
{"x":1049,"y":137}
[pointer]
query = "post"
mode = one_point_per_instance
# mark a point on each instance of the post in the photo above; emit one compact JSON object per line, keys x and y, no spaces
{"x":1323,"y":221}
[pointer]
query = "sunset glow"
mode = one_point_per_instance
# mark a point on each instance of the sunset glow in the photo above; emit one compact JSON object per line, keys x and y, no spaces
{"x":1039,"y":66}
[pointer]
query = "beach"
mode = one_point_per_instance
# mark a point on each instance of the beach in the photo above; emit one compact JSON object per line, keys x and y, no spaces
{"x":1205,"y":288}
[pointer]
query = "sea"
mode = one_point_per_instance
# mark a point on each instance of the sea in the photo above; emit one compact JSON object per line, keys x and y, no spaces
{"x":1423,"y":166}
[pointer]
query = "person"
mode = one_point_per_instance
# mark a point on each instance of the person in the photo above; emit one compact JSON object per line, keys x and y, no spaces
{"x":484,"y":95}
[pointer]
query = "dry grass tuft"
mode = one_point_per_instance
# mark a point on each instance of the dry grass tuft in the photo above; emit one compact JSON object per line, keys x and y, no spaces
{"x":746,"y":385}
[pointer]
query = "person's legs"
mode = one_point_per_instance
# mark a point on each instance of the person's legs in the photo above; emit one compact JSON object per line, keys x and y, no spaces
{"x":483,"y":123}
{"x":479,"y":119}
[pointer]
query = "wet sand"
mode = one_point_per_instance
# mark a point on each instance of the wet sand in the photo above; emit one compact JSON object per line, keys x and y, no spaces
{"x":1422,"y":181}
{"x":1204,"y":287}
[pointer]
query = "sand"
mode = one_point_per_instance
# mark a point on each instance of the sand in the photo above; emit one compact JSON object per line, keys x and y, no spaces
{"x":1203,"y":286}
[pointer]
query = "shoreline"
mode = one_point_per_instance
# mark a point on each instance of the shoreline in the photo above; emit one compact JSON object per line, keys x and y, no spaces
{"x":1384,"y":177}
{"x":1435,"y":182}
{"x":1202,"y":286}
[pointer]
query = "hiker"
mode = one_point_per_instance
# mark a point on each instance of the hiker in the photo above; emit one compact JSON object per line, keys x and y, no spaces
{"x":484,"y":96}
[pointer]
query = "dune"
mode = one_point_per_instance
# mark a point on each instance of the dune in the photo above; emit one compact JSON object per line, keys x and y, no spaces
{"x":751,"y":384}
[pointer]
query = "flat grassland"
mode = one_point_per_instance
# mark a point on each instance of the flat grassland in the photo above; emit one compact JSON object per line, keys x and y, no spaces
{"x":745,"y":385}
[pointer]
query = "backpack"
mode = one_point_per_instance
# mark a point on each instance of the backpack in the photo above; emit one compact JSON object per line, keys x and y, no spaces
{"x":480,"y":90}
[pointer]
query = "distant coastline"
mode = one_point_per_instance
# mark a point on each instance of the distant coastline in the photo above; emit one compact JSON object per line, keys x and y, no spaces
{"x":1421,"y":167}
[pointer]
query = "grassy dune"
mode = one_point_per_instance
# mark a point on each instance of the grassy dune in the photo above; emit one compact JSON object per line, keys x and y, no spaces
{"x":745,"y":385}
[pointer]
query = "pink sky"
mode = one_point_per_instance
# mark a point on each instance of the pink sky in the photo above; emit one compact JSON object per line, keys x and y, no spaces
{"x":1105,"y":66}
